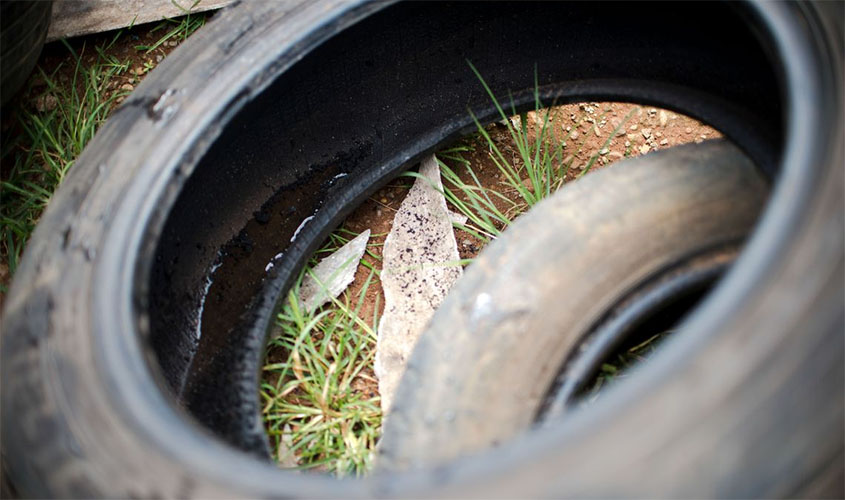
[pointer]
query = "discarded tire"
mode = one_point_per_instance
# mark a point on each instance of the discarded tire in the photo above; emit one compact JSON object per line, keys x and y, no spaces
{"x":231,"y":152}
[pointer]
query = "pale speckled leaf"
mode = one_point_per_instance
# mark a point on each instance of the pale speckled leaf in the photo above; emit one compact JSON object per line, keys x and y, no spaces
{"x":421,"y":263}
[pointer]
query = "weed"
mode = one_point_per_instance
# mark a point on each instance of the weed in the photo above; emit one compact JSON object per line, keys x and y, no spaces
{"x":50,"y":142}
{"x":179,"y":28}
{"x":318,"y":408}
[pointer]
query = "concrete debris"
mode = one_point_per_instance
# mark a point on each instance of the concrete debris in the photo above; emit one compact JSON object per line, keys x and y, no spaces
{"x":333,"y":274}
{"x":421,"y":262}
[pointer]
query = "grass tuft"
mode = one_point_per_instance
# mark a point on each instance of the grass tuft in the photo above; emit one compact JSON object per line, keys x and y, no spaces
{"x":51,"y":140}
{"x":539,"y":169}
{"x":320,"y":406}
{"x":177,"y":29}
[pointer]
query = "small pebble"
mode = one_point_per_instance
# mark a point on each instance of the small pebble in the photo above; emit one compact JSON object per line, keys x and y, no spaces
{"x":688,"y":130}
{"x":664,"y":118}
{"x":646,"y":132}
{"x":664,"y":142}
{"x":632,"y":127}
{"x":46,"y":102}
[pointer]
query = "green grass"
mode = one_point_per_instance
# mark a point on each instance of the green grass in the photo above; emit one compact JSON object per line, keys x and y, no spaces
{"x":51,"y":140}
{"x":539,"y":170}
{"x":619,"y":364}
{"x":177,"y":29}
{"x":316,"y":415}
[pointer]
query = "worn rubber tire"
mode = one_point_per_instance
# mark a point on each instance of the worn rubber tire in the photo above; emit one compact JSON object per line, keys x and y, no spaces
{"x":485,"y":364}
{"x":24,"y":28}
{"x":99,"y":397}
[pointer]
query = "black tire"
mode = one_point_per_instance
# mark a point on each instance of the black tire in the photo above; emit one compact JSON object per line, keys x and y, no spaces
{"x":23,"y":28}
{"x":106,"y":391}
{"x":480,"y":373}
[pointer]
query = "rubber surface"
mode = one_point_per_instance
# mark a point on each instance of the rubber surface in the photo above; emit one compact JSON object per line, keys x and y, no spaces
{"x":99,"y":335}
{"x":22,"y":32}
